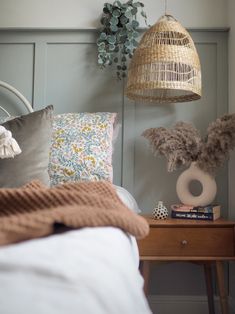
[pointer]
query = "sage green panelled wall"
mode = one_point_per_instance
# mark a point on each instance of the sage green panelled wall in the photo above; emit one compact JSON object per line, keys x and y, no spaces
{"x":59,"y":67}
{"x":85,"y":14}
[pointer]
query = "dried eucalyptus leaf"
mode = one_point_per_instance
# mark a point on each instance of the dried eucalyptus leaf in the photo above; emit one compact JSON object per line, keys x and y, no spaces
{"x":135,"y":34}
{"x":101,"y":48}
{"x":122,"y":40}
{"x":113,"y":20}
{"x":100,"y":56}
{"x":135,"y":23}
{"x":134,"y":11}
{"x":129,"y":26}
{"x":144,"y":14}
{"x":123,"y":32}
{"x":114,"y":28}
{"x":128,"y":14}
{"x":130,"y":35}
{"x":136,"y":4}
{"x":117,"y":3}
{"x":124,"y":20}
{"x":108,"y":6}
{"x":111,"y":39}
{"x":111,"y":47}
{"x":127,"y":43}
{"x":116,"y":13}
{"x":99,"y":42}
{"x":104,"y":21}
{"x":105,"y":10}
{"x":103,"y":36}
{"x":124,"y":6}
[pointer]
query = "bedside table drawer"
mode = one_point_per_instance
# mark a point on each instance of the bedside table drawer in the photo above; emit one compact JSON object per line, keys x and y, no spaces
{"x":185,"y":241}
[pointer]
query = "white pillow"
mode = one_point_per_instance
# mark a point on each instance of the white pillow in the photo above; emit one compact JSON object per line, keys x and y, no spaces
{"x":127,"y":199}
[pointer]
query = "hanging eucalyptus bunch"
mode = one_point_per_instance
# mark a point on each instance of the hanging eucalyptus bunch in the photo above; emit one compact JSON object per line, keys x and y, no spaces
{"x":118,"y":35}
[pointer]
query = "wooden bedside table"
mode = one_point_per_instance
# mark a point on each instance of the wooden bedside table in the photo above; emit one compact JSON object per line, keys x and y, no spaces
{"x":206,"y":242}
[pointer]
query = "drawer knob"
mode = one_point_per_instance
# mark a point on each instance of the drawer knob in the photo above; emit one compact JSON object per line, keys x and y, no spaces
{"x":184,"y":242}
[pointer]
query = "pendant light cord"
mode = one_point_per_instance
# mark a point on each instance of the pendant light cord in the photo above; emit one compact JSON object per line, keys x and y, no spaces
{"x":165,"y":7}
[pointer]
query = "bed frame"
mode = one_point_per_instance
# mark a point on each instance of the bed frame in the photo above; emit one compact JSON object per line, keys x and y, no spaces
{"x":18,"y":94}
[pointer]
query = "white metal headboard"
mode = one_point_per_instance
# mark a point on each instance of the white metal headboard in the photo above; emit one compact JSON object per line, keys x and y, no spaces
{"x":18,"y":94}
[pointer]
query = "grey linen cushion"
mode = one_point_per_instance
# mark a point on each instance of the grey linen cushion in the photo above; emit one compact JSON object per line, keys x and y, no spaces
{"x":33,"y":134}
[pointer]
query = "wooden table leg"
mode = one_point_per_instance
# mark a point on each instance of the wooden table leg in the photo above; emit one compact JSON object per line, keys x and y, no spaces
{"x":209,"y":287}
{"x":145,"y":272}
{"x":221,"y":286}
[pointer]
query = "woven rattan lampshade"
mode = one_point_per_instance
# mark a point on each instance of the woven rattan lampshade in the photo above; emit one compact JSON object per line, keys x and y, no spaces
{"x":165,"y":67}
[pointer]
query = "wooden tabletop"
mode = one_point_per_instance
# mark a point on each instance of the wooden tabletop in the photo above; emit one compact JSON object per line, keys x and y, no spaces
{"x":173,"y":222}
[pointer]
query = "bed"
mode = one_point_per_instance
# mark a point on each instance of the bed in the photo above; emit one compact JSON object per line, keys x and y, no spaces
{"x":88,"y":271}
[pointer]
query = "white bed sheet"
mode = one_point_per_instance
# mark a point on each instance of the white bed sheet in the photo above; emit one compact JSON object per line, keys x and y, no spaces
{"x":86,"y":271}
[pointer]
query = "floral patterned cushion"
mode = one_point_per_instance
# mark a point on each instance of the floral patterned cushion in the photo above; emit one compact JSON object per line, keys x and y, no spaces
{"x":81,"y":147}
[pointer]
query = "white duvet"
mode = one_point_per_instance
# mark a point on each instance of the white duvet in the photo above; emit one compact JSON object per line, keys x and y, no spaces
{"x":86,"y":271}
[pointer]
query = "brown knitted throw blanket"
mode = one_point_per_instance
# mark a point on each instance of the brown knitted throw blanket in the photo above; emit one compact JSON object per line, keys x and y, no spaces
{"x":33,"y":210}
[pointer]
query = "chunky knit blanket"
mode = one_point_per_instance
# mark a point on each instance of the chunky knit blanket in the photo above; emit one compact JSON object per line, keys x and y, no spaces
{"x":34,"y":210}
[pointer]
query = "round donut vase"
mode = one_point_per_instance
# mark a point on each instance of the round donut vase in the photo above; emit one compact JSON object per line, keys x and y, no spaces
{"x":209,"y":188}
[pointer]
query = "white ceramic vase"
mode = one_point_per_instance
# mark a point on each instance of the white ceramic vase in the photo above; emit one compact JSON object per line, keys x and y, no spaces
{"x":209,"y":188}
{"x":160,"y":211}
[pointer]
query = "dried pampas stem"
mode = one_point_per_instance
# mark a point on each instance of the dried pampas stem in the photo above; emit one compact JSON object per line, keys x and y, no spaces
{"x":180,"y":145}
{"x":220,"y":140}
{"x":183,"y":144}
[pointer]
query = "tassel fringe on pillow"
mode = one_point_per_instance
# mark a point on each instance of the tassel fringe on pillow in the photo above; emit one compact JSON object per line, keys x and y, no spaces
{"x":8,"y":145}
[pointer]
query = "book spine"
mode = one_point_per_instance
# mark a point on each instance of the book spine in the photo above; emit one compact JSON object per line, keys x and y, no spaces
{"x":191,"y":215}
{"x":206,"y":209}
{"x":202,"y":210}
{"x":199,"y":209}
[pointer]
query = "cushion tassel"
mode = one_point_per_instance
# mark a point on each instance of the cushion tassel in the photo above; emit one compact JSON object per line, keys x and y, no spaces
{"x":8,"y":145}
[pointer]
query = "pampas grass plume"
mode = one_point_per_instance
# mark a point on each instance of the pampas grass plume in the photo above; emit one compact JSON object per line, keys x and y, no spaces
{"x":183,"y":144}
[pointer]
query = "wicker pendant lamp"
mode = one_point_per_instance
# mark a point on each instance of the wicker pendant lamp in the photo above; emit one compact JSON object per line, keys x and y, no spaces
{"x":165,"y":67}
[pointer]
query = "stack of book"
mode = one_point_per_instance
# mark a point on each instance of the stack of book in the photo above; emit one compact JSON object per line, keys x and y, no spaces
{"x":209,"y":212}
